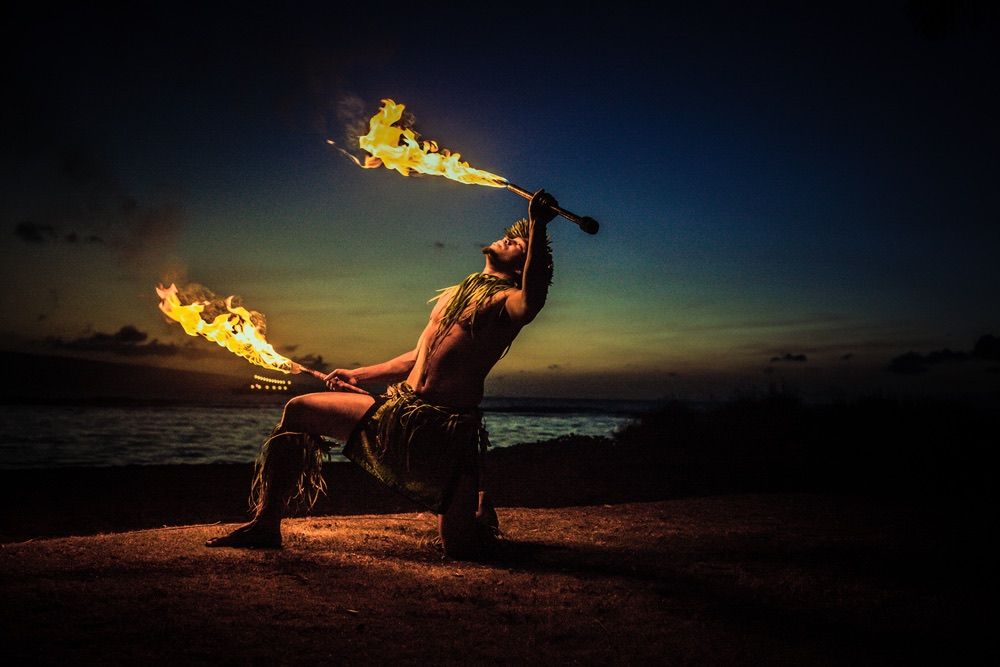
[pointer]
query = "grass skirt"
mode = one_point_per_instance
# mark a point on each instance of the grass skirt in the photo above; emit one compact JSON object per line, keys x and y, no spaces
{"x":417,"y":448}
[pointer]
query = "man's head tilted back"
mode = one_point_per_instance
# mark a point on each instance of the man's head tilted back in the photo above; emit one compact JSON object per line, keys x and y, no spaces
{"x":519,"y":230}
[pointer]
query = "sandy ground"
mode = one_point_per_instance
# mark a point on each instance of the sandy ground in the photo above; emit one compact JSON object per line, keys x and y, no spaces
{"x":749,"y":578}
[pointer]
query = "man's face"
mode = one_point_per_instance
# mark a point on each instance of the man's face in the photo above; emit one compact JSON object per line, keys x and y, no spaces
{"x":507,"y":253}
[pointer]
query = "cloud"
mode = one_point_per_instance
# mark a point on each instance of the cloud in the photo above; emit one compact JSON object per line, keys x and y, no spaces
{"x":76,"y":200}
{"x":311,"y":360}
{"x":65,"y":187}
{"x":315,"y":362}
{"x":986,"y":348}
{"x":790,"y":357}
{"x":33,"y":232}
{"x":910,"y":363}
{"x":128,"y":341}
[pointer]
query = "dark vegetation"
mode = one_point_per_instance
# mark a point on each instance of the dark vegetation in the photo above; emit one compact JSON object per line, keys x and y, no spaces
{"x":924,"y":449}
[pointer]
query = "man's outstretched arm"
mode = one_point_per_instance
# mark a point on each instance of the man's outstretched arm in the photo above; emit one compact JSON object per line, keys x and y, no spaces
{"x":388,"y":371}
{"x":524,"y":304}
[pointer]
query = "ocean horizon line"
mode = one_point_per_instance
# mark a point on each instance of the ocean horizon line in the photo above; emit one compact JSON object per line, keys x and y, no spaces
{"x":500,"y":403}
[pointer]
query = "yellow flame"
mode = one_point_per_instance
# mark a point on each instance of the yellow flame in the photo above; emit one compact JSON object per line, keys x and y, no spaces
{"x":397,"y":148}
{"x":233,"y":331}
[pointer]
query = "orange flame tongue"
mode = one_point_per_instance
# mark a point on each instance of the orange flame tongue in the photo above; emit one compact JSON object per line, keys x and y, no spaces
{"x":234,"y":331}
{"x":397,"y":148}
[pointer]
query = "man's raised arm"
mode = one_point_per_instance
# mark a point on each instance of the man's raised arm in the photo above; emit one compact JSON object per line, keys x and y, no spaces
{"x":525,"y":303}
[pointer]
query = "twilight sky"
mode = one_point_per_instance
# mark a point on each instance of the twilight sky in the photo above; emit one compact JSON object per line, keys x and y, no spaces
{"x":793,"y":194}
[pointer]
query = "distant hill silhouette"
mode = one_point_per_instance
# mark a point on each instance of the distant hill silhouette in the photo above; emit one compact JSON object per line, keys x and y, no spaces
{"x":34,"y":378}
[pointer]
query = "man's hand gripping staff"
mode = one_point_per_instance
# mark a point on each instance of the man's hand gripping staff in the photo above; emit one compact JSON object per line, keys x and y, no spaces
{"x":343,"y":380}
{"x":584,"y":222}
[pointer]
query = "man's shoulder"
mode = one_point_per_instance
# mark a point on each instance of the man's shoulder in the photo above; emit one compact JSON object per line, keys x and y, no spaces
{"x":501,"y":297}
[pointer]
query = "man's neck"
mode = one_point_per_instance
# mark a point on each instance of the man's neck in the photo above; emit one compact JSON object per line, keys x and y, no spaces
{"x":493,"y":271}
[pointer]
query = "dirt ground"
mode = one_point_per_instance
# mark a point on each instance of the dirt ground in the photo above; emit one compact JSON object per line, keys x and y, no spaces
{"x":726,"y":579}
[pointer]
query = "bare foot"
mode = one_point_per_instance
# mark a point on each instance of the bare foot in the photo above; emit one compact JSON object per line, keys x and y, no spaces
{"x":250,"y":536}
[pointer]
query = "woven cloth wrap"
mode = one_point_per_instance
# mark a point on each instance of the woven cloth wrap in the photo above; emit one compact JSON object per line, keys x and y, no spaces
{"x":417,"y":448}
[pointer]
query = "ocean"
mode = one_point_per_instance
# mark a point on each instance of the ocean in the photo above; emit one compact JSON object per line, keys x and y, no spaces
{"x":51,"y":436}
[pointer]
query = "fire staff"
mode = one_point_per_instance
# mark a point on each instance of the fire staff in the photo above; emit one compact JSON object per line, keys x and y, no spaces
{"x":424,"y":435}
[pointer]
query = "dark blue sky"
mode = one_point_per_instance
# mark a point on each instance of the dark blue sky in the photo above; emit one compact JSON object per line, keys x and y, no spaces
{"x":800,"y":180}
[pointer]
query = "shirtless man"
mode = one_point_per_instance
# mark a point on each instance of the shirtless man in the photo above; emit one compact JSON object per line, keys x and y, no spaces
{"x":423,"y":436}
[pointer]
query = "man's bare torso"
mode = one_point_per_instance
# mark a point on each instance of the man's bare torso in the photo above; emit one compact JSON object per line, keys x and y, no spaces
{"x":454,"y":372}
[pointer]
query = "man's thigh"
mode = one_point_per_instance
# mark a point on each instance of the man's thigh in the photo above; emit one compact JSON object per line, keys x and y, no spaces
{"x":326,"y":413}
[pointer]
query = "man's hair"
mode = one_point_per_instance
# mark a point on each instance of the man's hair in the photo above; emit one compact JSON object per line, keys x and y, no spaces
{"x":542,"y":253}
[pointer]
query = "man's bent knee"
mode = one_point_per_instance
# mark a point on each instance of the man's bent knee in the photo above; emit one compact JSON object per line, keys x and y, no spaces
{"x":293,"y":417}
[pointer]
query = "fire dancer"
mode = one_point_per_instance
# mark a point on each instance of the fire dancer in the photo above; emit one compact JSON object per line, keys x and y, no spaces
{"x":424,"y":436}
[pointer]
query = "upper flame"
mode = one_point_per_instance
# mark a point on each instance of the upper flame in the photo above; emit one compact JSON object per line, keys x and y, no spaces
{"x":397,"y":148}
{"x":234,"y":331}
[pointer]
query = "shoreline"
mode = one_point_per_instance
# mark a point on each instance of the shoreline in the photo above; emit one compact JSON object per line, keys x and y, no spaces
{"x":48,"y":502}
{"x":910,"y":453}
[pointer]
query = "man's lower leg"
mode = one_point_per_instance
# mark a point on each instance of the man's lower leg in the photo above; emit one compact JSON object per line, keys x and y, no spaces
{"x":288,"y":467}
{"x":469,"y":526}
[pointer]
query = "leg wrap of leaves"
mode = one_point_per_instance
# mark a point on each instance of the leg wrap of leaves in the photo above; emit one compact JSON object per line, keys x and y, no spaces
{"x":289,"y":468}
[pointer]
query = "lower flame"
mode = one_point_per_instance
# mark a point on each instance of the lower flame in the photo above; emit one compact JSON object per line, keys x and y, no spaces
{"x":397,"y":148}
{"x":233,"y":330}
